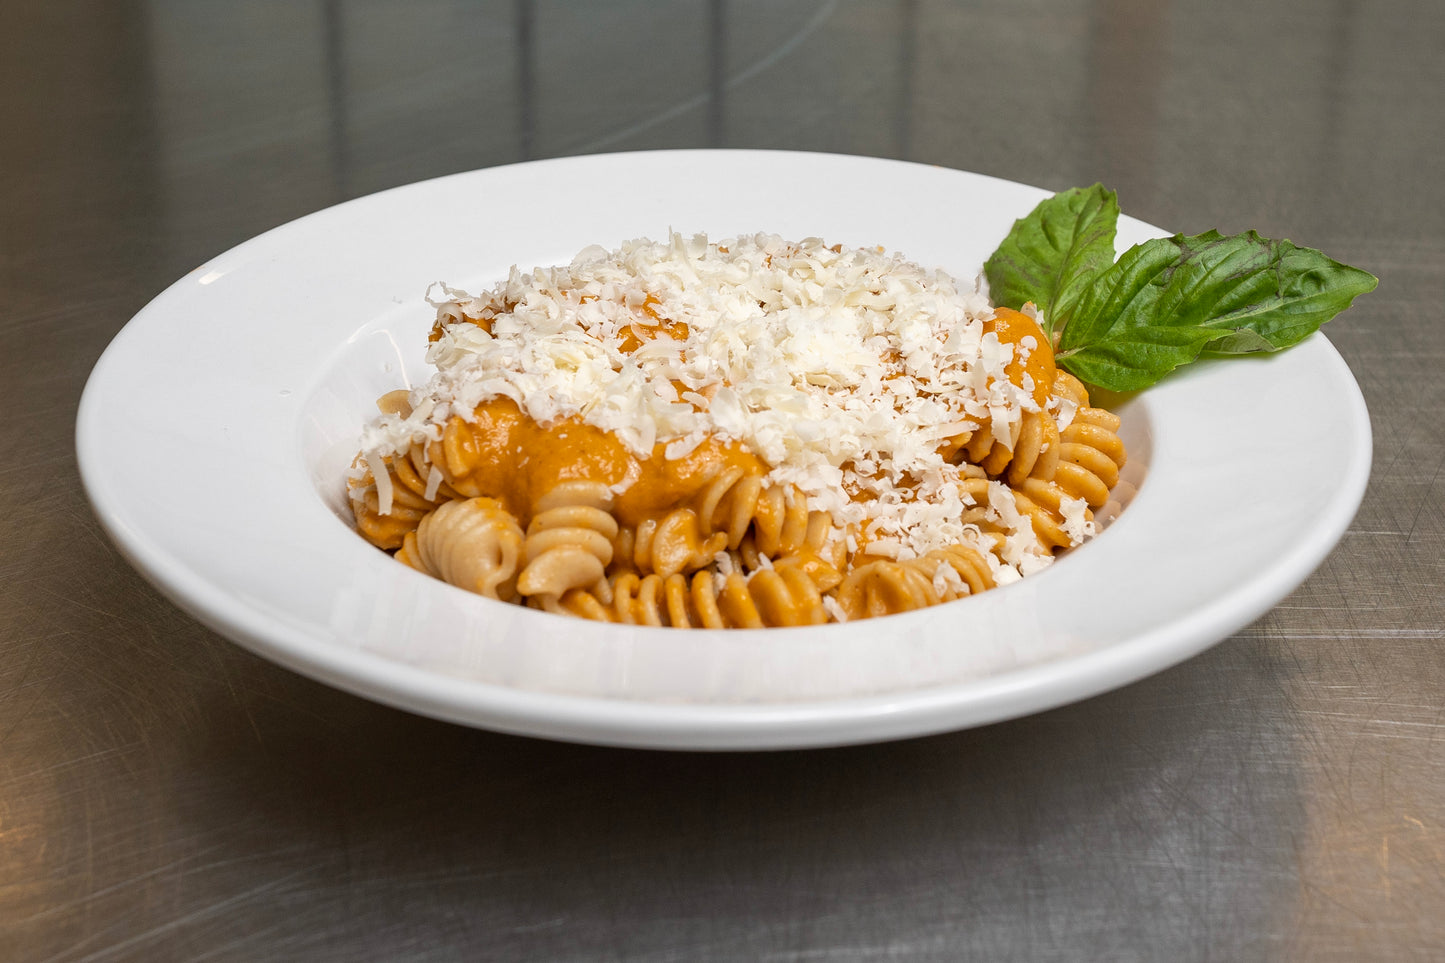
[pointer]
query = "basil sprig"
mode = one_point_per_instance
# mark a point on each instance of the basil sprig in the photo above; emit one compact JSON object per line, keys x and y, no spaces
{"x":1124,"y":325}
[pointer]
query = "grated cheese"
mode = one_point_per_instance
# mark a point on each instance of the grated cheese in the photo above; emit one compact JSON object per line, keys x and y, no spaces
{"x":844,"y":369}
{"x":1078,"y":525}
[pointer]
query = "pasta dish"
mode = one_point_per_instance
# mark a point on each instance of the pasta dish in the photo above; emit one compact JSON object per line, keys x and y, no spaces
{"x":746,"y":433}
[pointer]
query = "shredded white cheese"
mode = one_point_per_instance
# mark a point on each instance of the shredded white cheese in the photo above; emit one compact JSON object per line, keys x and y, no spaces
{"x":843,"y":369}
{"x":1078,"y":524}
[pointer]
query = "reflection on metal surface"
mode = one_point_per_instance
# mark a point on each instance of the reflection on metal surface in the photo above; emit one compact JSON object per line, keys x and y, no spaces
{"x":526,"y":79}
{"x":717,"y":43}
{"x":1125,"y":84}
{"x":165,"y":794}
{"x":336,"y":94}
{"x":716,"y":93}
{"x":907,"y":81}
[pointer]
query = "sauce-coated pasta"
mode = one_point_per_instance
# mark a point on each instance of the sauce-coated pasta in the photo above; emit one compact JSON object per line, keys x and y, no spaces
{"x":740,"y":434}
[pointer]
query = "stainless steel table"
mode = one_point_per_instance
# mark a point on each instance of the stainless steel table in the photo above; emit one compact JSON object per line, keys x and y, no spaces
{"x":165,"y":795}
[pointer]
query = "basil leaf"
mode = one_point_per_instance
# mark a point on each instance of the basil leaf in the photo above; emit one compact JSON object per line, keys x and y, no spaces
{"x":1050,"y":256}
{"x":1283,"y":295}
{"x":1136,"y":358}
{"x":1170,"y":299}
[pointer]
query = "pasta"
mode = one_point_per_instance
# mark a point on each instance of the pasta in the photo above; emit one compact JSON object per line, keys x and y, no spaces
{"x":742,"y":434}
{"x":569,"y":540}
{"x":473,"y":543}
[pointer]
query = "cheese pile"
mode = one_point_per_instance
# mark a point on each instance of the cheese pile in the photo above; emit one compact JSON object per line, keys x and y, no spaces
{"x":843,"y":369}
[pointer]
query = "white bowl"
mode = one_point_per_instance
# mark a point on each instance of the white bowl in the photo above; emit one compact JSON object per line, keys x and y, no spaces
{"x":215,"y":429}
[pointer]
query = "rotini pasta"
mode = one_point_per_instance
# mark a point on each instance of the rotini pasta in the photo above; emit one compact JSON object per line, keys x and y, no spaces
{"x":411,"y":489}
{"x":747,"y":434}
{"x":569,"y":539}
{"x":780,"y":595}
{"x":474,"y":544}
{"x":673,"y":543}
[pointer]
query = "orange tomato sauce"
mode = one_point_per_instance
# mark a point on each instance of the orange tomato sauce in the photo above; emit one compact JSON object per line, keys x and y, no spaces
{"x":504,"y":454}
{"x":1011,"y":327}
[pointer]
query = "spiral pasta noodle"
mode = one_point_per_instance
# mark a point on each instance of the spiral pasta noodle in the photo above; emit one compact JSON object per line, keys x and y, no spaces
{"x":1091,"y":456}
{"x":569,"y":539}
{"x":781,"y":595}
{"x":412,"y":489}
{"x":887,"y":588}
{"x":473,"y":544}
{"x":671,"y":544}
